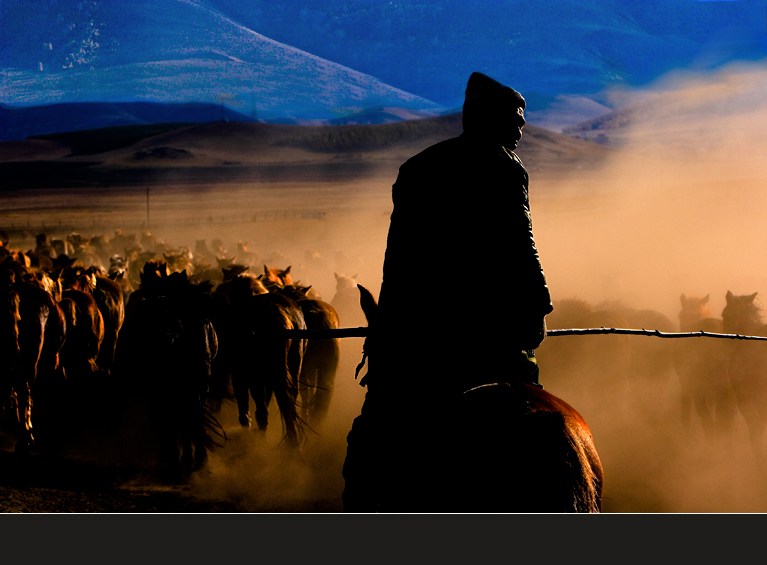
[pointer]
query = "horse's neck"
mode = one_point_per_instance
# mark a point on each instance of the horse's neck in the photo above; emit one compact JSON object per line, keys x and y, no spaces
{"x":746,"y":322}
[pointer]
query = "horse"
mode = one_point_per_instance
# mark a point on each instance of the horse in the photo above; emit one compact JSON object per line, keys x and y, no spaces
{"x":594,"y":369}
{"x":321,"y":359}
{"x":83,"y":250}
{"x":279,"y":277}
{"x":346,"y":300}
{"x":166,"y":351}
{"x":703,"y":370}
{"x":246,"y":256}
{"x":85,"y":327}
{"x":110,"y":299}
{"x":748,"y":365}
{"x":118,"y":272}
{"x":32,"y":301}
{"x":519,"y":449}
{"x":265,"y":363}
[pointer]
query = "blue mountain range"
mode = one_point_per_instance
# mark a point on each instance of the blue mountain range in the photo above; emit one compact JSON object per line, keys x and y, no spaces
{"x":320,"y":60}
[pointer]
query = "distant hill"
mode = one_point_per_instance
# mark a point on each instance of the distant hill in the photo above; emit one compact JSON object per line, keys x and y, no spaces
{"x":23,"y":122}
{"x":221,"y":151}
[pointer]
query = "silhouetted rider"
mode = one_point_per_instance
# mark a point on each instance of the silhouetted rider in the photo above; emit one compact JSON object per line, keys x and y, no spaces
{"x":463,"y":298}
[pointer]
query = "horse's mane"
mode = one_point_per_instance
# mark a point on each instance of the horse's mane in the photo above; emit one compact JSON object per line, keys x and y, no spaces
{"x":744,"y":307}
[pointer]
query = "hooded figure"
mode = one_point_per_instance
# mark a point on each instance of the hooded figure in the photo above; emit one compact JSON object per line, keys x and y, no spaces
{"x":463,"y":298}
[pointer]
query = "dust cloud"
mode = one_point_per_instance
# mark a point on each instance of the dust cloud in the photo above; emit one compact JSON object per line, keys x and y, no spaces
{"x":679,"y":209}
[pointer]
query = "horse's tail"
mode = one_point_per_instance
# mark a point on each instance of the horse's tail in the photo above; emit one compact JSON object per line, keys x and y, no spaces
{"x":69,"y":308}
{"x":286,"y":381}
{"x":286,"y":393}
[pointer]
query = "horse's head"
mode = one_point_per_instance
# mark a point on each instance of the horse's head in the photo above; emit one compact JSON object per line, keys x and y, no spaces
{"x":153,"y":276}
{"x":245,"y":285}
{"x":741,"y":314}
{"x":78,"y":241}
{"x":225,"y":262}
{"x":296,"y":291}
{"x":693,"y":309}
{"x":345,"y":281}
{"x":233,"y":271}
{"x":117,"y":264}
{"x":278,"y":276}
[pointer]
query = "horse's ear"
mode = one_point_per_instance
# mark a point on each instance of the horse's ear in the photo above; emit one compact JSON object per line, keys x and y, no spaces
{"x":368,"y":304}
{"x":287,"y":270}
{"x":336,"y":276}
{"x":266,"y":271}
{"x":728,"y":297}
{"x":751,"y":297}
{"x":683,"y":299}
{"x":704,"y":300}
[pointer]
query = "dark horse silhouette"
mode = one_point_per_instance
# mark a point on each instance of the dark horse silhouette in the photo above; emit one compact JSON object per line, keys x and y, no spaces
{"x":264,"y":362}
{"x":703,"y":370}
{"x":748,"y":365}
{"x":518,"y":449}
{"x":166,"y":349}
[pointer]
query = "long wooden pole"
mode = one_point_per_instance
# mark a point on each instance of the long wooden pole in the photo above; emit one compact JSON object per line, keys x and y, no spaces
{"x":363,"y":332}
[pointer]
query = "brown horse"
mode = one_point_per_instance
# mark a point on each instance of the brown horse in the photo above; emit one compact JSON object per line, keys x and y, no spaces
{"x":703,"y":370}
{"x":264,"y":362}
{"x":518,"y":449}
{"x":85,"y":326}
{"x":321,"y":359}
{"x":748,"y":365}
{"x":40,"y":332}
{"x":110,"y":300}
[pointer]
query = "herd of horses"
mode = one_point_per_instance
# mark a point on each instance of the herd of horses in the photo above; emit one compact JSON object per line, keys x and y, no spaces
{"x":163,"y":334}
{"x":718,"y":379}
{"x":173,"y":336}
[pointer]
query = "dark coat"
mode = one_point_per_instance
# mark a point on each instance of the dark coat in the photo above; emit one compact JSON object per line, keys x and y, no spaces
{"x":460,"y":261}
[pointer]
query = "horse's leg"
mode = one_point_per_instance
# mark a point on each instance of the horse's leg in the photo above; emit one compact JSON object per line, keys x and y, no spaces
{"x":307,"y":384}
{"x":704,"y":412}
{"x":262,"y":396}
{"x":241,"y":394}
{"x":326,"y":376}
{"x":756,"y":437}
{"x":685,"y":405}
{"x":24,"y":374}
{"x":726,"y":412}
